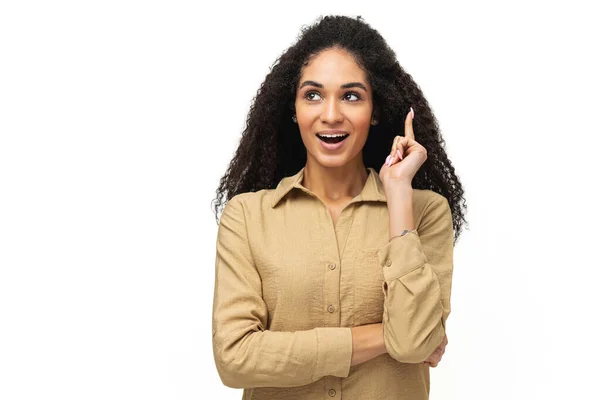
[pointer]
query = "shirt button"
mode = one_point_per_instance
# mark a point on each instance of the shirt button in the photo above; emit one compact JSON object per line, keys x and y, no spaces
{"x":388,"y":263}
{"x":332,"y":266}
{"x":331,"y":392}
{"x":331,"y":308}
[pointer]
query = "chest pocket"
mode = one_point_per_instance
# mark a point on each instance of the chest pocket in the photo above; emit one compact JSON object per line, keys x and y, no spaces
{"x":368,"y":292}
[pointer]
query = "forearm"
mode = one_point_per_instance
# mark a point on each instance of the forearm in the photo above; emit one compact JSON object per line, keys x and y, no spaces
{"x":417,"y":271}
{"x":367,"y":342}
{"x":400,"y":209}
{"x":281,"y":359}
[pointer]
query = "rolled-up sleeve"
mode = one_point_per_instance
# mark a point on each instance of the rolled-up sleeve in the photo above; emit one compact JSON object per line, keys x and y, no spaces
{"x":246,"y":353}
{"x":417,"y":270}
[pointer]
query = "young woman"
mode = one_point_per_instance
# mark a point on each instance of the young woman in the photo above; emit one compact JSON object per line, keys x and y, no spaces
{"x":334,"y":254}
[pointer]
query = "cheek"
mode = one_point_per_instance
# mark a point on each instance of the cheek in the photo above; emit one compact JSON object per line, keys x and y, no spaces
{"x":306,"y":122}
{"x":361,"y":118}
{"x":305,"y":126}
{"x":307,"y":113}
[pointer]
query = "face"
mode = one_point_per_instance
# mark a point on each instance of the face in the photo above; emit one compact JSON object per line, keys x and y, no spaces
{"x":333,"y":95}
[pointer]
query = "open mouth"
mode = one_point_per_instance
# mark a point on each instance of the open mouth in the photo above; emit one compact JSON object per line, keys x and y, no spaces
{"x":332,"y":139}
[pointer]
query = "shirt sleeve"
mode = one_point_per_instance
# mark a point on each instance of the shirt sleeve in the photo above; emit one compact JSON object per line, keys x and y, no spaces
{"x":417,"y":270}
{"x":246,"y":353}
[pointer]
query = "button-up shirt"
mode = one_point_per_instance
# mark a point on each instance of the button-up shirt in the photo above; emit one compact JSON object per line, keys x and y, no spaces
{"x":290,"y":285}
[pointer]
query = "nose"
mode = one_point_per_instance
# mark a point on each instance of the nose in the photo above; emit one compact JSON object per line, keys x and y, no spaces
{"x":331,"y":111}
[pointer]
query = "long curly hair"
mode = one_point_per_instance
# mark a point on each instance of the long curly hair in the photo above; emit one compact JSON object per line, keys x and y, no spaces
{"x":271,"y":147}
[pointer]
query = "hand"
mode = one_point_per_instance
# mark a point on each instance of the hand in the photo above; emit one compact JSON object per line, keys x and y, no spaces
{"x":436,"y":356}
{"x":406,"y":157}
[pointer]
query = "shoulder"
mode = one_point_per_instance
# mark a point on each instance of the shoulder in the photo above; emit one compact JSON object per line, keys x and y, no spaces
{"x":430,"y":205}
{"x":252,"y":202}
{"x":427,"y":198}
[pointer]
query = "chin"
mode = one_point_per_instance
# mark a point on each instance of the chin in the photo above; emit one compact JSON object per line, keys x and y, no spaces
{"x":332,"y":161}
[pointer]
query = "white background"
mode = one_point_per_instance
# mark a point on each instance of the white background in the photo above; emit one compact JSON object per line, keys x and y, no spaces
{"x":118,"y":118}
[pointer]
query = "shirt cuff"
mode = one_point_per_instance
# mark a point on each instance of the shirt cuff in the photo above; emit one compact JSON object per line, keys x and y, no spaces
{"x":401,"y":256}
{"x":334,"y":351}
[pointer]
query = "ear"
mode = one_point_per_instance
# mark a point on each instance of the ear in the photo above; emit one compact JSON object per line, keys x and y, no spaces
{"x":375,"y":113}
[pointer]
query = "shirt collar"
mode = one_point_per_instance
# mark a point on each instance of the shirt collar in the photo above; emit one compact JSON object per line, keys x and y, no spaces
{"x":372,"y":191}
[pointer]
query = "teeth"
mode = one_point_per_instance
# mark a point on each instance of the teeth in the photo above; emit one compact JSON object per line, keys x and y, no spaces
{"x":333,"y":136}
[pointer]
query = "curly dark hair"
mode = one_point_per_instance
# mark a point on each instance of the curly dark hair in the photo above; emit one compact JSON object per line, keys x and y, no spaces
{"x":271,"y":147}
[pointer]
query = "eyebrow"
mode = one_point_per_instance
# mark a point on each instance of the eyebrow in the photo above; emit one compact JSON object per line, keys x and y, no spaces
{"x":344,"y":86}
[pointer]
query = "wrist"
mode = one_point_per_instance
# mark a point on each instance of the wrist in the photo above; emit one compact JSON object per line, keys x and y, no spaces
{"x":381,"y":340}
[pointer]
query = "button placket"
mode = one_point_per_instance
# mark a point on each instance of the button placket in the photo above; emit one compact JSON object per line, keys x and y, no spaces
{"x":333,"y":238}
{"x":332,"y":386}
{"x":332,"y":291}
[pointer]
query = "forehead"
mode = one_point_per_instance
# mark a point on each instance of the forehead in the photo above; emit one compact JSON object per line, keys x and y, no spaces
{"x":333,"y":67}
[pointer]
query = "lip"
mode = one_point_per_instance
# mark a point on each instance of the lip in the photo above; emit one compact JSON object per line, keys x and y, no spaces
{"x":332,"y":146}
{"x":331,"y":132}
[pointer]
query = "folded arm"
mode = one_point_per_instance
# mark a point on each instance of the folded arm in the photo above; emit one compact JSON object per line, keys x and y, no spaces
{"x":246,"y":353}
{"x":417,"y":269}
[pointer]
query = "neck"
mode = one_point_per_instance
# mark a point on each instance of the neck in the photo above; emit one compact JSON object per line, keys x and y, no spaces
{"x":335,"y":184}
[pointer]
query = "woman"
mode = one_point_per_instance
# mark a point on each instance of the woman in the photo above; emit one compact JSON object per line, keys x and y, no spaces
{"x":334,"y":250}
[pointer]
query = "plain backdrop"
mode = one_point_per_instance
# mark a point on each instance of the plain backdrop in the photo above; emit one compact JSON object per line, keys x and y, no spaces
{"x":118,"y":118}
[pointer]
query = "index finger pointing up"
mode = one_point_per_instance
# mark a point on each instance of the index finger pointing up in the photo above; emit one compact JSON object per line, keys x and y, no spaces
{"x":408,"y":128}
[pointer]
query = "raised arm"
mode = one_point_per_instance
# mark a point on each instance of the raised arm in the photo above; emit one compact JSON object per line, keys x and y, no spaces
{"x":417,"y":269}
{"x":246,"y":353}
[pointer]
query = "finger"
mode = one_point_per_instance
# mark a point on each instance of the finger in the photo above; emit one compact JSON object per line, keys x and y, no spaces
{"x":436,"y":354}
{"x":408,"y":125}
{"x":442,"y":346}
{"x":389,"y":158}
{"x":393,"y":157}
{"x":395,"y":145}
{"x":407,"y":146}
{"x":400,"y":152}
{"x":398,"y":149}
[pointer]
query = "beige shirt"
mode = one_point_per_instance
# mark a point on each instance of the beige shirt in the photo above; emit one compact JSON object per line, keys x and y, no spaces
{"x":289,"y":285}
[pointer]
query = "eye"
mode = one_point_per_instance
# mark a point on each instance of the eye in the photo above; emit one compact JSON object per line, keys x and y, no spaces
{"x":353,"y":94}
{"x":307,"y":94}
